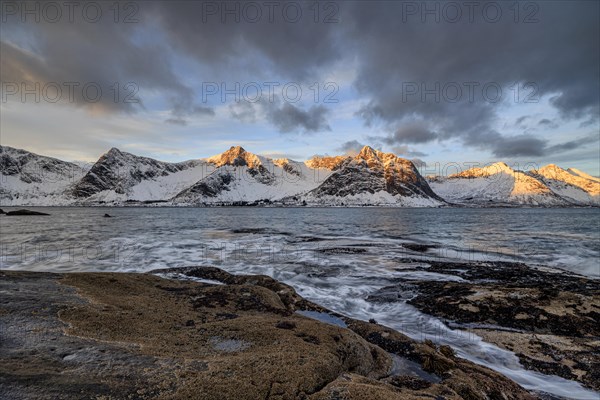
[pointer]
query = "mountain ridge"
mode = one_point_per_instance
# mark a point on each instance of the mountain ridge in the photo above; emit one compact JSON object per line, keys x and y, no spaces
{"x":237,"y":176}
{"x":500,"y":184}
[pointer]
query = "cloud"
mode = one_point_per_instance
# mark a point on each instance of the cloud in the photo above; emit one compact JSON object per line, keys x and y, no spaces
{"x":520,"y":122}
{"x":531,"y":146}
{"x":561,"y":62}
{"x":411,"y":133}
{"x":265,"y":47}
{"x":177,"y":45}
{"x":289,"y":118}
{"x":243,"y":111}
{"x":107,"y":57}
{"x":406,"y":151}
{"x":548,"y":123}
{"x":183,"y":107}
{"x":284,"y":116}
{"x":585,"y":141}
{"x":515,"y":146}
{"x":419,"y":163}
{"x":351,"y":147}
{"x":176,"y":121}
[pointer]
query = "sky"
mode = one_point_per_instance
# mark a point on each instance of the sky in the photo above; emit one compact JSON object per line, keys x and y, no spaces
{"x":441,"y":83}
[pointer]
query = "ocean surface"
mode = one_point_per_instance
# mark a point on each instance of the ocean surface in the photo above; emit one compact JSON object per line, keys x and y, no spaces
{"x":333,"y":256}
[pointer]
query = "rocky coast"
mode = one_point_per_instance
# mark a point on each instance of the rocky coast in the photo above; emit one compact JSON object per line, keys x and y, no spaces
{"x":211,"y":336}
{"x":550,"y":319}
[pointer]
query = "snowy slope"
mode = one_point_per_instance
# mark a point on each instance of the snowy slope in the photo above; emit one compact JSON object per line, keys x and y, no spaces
{"x":576,"y":172}
{"x":241,"y":176}
{"x":119,"y":176}
{"x":372,"y":178}
{"x":30,"y":179}
{"x":369,"y":178}
{"x":571,"y":184}
{"x":498,"y":184}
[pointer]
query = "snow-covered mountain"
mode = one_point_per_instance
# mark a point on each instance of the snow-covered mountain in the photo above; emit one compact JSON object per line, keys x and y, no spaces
{"x":574,"y":185}
{"x":240,"y":177}
{"x":235,"y":176}
{"x":374,"y":178}
{"x":499,"y":184}
{"x":30,"y":179}
{"x":119,"y":176}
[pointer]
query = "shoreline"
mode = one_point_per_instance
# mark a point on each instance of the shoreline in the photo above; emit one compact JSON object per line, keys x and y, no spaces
{"x":550,"y":322}
{"x":392,"y":206}
{"x":242,"y":338}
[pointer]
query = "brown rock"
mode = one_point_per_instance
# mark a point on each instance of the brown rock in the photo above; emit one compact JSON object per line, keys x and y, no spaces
{"x":117,"y":335}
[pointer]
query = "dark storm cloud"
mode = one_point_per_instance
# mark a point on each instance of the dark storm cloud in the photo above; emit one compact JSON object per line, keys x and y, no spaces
{"x":531,"y":146}
{"x":394,"y":53}
{"x":522,"y":145}
{"x":413,"y":133}
{"x":289,"y":118}
{"x":559,"y":54}
{"x":586,"y":141}
{"x":183,"y":106}
{"x":98,"y":55}
{"x":275,"y":42}
{"x":106,"y":52}
{"x":285,"y":116}
{"x":351,"y":147}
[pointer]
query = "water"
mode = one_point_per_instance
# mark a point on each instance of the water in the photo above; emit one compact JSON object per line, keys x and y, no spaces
{"x":333,"y":256}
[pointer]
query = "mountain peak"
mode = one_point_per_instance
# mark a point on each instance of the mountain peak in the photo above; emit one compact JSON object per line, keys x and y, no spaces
{"x":482,"y":172}
{"x":379,"y":158}
{"x":552,"y":167}
{"x":368,"y":151}
{"x":551,"y":171}
{"x":235,"y":156}
{"x":236,"y":149}
{"x":114,"y":152}
{"x":500,"y":166}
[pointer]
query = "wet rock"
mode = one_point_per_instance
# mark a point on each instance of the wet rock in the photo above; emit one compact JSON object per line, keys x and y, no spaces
{"x":419,"y":247}
{"x":409,"y":382}
{"x":285,"y":325}
{"x":507,"y":303}
{"x":119,"y":335}
{"x":147,"y":349}
{"x":25,"y":212}
{"x":447,"y":351}
{"x":342,"y":250}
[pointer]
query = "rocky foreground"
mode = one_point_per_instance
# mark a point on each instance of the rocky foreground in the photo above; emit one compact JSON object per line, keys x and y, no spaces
{"x":140,"y":336}
{"x":549,"y":319}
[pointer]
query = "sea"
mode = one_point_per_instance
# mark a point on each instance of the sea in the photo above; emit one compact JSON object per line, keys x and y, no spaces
{"x":335,"y":257}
